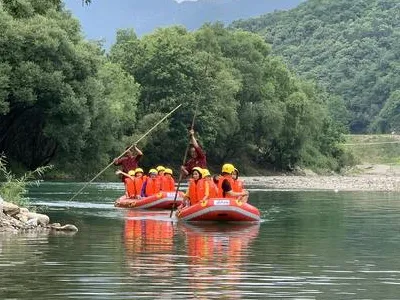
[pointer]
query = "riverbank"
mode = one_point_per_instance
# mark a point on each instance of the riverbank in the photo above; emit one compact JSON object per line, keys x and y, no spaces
{"x":334,"y":182}
{"x":366,"y":177}
{"x":15,"y":219}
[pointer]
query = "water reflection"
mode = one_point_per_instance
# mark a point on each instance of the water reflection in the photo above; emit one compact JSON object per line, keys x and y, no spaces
{"x":148,"y":232}
{"x":216,"y":257}
{"x":149,"y":247}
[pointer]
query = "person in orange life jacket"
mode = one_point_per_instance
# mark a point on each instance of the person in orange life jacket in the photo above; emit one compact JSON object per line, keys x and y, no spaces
{"x":129,"y":161}
{"x":152,"y":184}
{"x":129,"y":182}
{"x":238,"y":184}
{"x":197,"y":189}
{"x":212,"y":187}
{"x":139,"y":180}
{"x":160,"y":175}
{"x":160,"y":170}
{"x":226,"y":183}
{"x":197,"y":156}
{"x":168,"y":184}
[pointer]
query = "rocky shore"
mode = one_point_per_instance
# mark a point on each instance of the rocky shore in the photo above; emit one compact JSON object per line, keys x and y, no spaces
{"x":334,"y":182}
{"x":365,"y":177}
{"x":16,"y":219}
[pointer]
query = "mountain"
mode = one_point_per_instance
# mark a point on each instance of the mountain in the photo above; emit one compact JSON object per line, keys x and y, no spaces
{"x":351,"y":48}
{"x":102,"y":18}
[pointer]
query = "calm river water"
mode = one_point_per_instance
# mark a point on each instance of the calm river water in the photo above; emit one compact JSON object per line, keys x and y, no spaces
{"x":309,"y":245}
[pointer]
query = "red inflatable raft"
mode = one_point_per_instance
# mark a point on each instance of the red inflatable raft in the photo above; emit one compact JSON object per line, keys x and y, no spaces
{"x":219,"y":209}
{"x":161,"y":200}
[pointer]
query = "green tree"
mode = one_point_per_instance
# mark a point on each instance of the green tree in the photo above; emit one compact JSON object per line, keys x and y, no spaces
{"x":60,"y":98}
{"x":350,"y":52}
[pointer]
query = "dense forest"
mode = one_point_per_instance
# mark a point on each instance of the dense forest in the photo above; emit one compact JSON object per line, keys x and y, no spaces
{"x":66,"y":102}
{"x":351,"y":48}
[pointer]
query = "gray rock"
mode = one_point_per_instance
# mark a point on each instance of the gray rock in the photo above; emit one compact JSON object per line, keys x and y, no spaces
{"x":32,"y":222}
{"x":67,"y":227}
{"x":10,"y":208}
{"x":41,"y":219}
{"x":22,"y":217}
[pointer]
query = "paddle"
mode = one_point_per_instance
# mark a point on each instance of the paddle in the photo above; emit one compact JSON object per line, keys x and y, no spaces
{"x":123,"y":153}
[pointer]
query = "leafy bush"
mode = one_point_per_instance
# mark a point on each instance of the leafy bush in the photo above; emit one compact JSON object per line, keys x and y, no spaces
{"x":14,"y":189}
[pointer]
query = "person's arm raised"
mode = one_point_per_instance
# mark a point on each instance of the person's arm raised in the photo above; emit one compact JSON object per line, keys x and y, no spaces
{"x":138,"y":151}
{"x":193,"y":140}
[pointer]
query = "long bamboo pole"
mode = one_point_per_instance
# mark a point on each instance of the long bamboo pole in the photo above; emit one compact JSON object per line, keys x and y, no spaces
{"x":188,"y":146}
{"x":123,"y":153}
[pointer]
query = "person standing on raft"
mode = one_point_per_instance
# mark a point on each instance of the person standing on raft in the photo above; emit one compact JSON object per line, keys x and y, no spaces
{"x":197,"y":156}
{"x":129,"y":161}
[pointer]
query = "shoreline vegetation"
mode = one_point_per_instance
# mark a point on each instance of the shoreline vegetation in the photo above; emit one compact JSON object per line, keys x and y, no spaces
{"x":15,"y":213}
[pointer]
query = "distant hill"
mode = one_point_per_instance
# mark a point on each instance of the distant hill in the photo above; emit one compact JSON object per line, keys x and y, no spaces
{"x":352,"y":48}
{"x":102,"y":18}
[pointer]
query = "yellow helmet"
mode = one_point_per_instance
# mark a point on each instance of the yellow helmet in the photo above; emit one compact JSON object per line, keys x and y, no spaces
{"x":205,"y":173}
{"x":139,"y":170}
{"x":228,"y":168}
{"x":168,"y":171}
{"x":160,"y":168}
{"x":131,"y":172}
{"x":153,"y":171}
{"x":198,"y":169}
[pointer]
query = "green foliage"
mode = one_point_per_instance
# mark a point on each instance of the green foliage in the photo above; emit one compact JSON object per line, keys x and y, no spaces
{"x":374,"y":148}
{"x":14,"y":189}
{"x":64,"y":101}
{"x":61,"y":99}
{"x":352,"y":51}
{"x":389,"y":117}
{"x":249,"y":105}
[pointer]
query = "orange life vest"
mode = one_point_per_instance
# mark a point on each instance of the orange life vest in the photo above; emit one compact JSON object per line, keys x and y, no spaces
{"x":237,"y":185}
{"x":130,"y":188}
{"x":152,"y":186}
{"x":212,"y":188}
{"x":220,"y":190}
{"x":196,"y":190}
{"x":139,"y":184}
{"x":167,"y":184}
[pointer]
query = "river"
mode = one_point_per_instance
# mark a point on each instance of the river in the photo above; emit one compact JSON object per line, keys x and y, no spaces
{"x":309,"y":245}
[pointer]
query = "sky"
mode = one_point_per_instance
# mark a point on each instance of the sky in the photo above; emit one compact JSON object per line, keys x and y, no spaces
{"x":102,"y":18}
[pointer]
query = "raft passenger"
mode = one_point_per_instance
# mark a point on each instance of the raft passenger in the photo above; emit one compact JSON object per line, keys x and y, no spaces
{"x":151,"y":186}
{"x":168,"y":183}
{"x":196,"y":189}
{"x":238,"y":185}
{"x":129,"y":182}
{"x":226,"y":183}
{"x":210,"y":185}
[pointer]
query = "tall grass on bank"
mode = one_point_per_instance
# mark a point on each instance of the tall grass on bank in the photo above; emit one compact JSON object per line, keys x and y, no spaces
{"x":14,"y":189}
{"x":375,"y":148}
